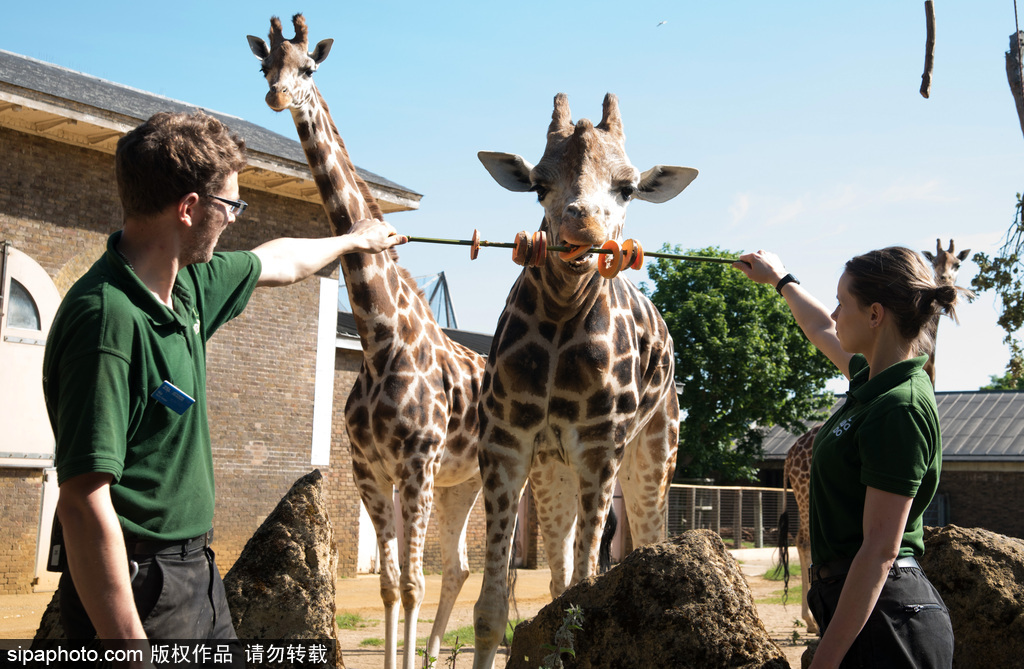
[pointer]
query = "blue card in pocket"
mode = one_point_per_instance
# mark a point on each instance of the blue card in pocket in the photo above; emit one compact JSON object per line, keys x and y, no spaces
{"x":173,"y":398}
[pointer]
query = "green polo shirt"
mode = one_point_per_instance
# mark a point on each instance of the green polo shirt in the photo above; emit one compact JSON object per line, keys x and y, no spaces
{"x":112,"y":344}
{"x":885,"y":436}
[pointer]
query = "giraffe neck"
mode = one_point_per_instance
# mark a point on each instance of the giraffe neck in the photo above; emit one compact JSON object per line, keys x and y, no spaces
{"x":932,"y":326}
{"x":345,"y":195}
{"x":379,"y":290}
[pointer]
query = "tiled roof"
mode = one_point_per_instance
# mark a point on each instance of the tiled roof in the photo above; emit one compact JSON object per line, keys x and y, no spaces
{"x":92,"y":101}
{"x":976,"y":426}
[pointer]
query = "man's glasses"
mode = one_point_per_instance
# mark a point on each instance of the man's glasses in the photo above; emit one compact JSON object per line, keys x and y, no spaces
{"x":236,"y":207}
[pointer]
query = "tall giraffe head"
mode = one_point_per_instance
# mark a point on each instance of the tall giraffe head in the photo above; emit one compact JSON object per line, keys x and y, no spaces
{"x":287,"y":64}
{"x":584,"y":180}
{"x":946,"y":264}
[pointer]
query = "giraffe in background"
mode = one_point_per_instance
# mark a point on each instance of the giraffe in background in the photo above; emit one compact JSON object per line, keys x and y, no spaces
{"x":797,"y":468}
{"x":412,"y":414}
{"x":946,"y":265}
{"x":797,"y":473}
{"x":580,"y":377}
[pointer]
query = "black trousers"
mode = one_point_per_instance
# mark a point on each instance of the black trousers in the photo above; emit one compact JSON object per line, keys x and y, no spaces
{"x":179,"y":598}
{"x":909,"y":626}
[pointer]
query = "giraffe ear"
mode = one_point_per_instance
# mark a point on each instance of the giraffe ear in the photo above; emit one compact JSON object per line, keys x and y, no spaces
{"x":928,"y":255}
{"x":321,"y":50}
{"x":963,"y":255}
{"x":661,"y":183}
{"x":508,"y":169}
{"x":258,"y":47}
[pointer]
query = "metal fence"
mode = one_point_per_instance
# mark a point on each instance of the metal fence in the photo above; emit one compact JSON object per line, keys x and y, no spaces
{"x":743,"y":517}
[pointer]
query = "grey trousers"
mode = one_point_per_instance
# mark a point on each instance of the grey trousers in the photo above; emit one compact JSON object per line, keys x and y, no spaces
{"x":180,"y":598}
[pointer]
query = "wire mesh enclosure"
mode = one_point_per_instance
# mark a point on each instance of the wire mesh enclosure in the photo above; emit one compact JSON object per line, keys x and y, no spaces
{"x":743,"y":517}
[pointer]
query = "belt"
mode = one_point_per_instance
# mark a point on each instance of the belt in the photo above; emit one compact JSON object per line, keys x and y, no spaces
{"x":840,"y":567}
{"x":182,"y":546}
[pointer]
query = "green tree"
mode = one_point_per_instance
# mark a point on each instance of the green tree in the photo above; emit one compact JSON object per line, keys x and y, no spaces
{"x":742,"y":360}
{"x":1004,"y":382}
{"x":1003,"y":275}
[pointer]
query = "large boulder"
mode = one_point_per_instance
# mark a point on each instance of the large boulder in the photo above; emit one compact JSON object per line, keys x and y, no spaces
{"x":980,"y":575}
{"x":282,"y":585}
{"x":681,"y":603}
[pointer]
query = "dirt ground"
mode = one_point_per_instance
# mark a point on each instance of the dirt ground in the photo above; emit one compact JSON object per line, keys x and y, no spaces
{"x":20,"y":614}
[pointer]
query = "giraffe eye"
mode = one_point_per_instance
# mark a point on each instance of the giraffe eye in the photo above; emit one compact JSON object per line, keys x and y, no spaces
{"x":540,"y":190}
{"x":627,"y":192}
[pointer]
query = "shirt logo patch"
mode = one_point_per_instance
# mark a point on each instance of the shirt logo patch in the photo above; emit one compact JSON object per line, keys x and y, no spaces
{"x":842,"y":427}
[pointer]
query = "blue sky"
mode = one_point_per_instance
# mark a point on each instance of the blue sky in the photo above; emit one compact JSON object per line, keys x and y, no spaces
{"x":804,"y":119}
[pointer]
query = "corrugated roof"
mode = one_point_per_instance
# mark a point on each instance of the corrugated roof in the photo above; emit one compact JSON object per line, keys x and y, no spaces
{"x":976,"y":426}
{"x":475,"y":341}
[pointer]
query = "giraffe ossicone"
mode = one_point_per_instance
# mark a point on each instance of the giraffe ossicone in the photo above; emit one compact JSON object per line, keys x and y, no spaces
{"x":412,"y":416}
{"x":579,"y":388}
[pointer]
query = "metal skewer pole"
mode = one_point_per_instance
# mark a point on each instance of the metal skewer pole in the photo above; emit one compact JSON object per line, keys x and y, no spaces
{"x":509,"y":245}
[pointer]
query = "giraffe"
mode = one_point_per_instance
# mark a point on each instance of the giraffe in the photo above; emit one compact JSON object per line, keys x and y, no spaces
{"x":946,"y":266}
{"x":797,"y":468}
{"x":579,"y":380}
{"x":412,"y":416}
{"x":797,"y":472}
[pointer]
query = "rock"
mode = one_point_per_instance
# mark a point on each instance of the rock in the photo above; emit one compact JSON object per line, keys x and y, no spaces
{"x":808,"y":655}
{"x":282,"y":585}
{"x":50,"y":630}
{"x":681,"y":603}
{"x":980,"y":575}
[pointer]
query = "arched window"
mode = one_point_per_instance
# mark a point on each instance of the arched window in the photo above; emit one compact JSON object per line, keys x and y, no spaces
{"x":23,"y":312}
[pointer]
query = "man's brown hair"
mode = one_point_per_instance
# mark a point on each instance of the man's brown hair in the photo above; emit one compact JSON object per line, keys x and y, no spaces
{"x":172,"y":155}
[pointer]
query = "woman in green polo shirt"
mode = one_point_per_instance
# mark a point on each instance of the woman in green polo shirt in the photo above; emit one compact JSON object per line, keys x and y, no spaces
{"x":875,"y":463}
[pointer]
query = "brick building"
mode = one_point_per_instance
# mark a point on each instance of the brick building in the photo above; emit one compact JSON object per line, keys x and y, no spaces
{"x":982,"y":461}
{"x":278,"y":375}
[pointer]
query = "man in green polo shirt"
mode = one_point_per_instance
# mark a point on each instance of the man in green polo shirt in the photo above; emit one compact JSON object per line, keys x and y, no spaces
{"x":124,"y":377}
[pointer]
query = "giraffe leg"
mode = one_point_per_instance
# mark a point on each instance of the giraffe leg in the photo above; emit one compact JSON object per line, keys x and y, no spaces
{"x":379,"y":503}
{"x":416,"y":496}
{"x":646,"y":473}
{"x":554,"y":493}
{"x":595,"y":499}
{"x":503,"y":473}
{"x":804,"y":550}
{"x":452,"y":506}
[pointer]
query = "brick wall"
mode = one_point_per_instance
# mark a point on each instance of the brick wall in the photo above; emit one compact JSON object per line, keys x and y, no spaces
{"x":987,"y":499}
{"x":21,"y":494}
{"x":58,"y":205}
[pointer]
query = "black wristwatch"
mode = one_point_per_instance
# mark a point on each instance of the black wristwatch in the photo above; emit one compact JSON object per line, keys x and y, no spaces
{"x":789,"y":278}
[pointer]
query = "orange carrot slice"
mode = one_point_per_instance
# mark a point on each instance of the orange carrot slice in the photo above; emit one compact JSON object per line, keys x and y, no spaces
{"x":519,"y":255}
{"x":608,"y":264}
{"x":628,"y":253}
{"x":540,"y":249}
{"x":573,"y":252}
{"x":474,"y":249}
{"x":639,"y":261}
